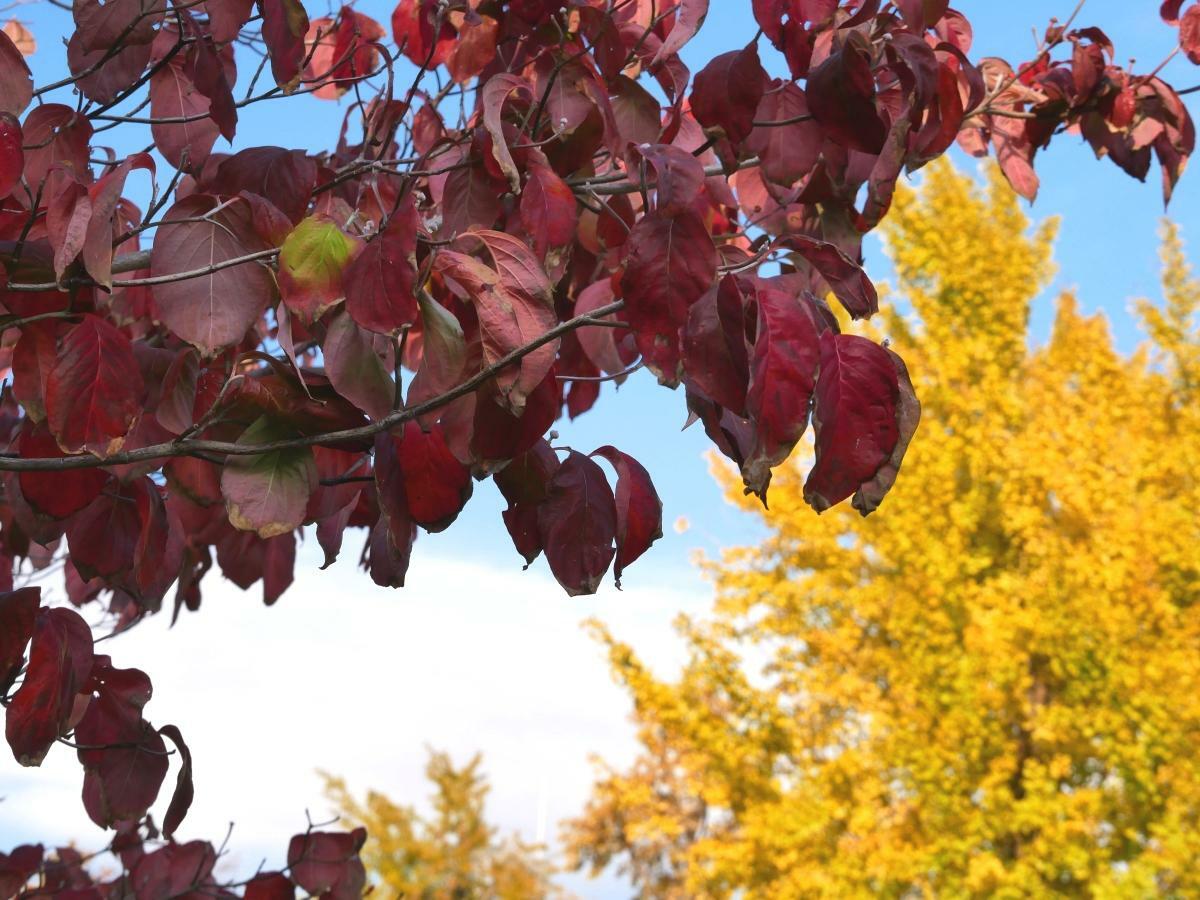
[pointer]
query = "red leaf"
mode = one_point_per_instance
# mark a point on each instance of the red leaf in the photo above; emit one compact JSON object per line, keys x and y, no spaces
{"x":67,"y":219}
{"x":525,"y":483}
{"x":12,"y":157}
{"x":599,"y":342}
{"x":175,"y":870}
{"x":357,"y":363}
{"x":311,"y":263}
{"x":413,"y":28}
{"x":1189,"y":33}
{"x":727,"y":91}
{"x":514,"y":308}
{"x":213,"y":310}
{"x":715,"y":359}
{"x":102,"y":75}
{"x":436,"y":485}
{"x":577,"y":524}
{"x":104,"y":537}
{"x":788,"y":151}
{"x":54,"y":134}
{"x":60,"y":659}
{"x":639,"y":510}
{"x":844,"y":276}
{"x":493,"y":97}
{"x":173,"y":95}
{"x":267,"y":493}
{"x":104,"y":197}
{"x":443,"y":354}
{"x":547,"y":211}
{"x":380,"y":283}
{"x":854,"y":418}
{"x":670,"y":263}
{"x":285,"y":24}
{"x":783,"y":370}
{"x":18,"y":610}
{"x":279,"y":566}
{"x":841,"y":96}
{"x":285,"y":178}
{"x":327,"y":863}
{"x":689,"y":16}
{"x":17,"y":867}
{"x":32,"y":361}
{"x":908,"y":415}
{"x":679,"y":177}
{"x":55,"y":494}
{"x":344,"y":55}
{"x":95,"y":390}
{"x":270,"y":886}
{"x":16,"y":81}
{"x":185,"y":791}
{"x":124,"y":759}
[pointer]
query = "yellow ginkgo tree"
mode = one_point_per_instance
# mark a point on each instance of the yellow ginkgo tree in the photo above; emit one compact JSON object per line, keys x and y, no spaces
{"x":991,"y":686}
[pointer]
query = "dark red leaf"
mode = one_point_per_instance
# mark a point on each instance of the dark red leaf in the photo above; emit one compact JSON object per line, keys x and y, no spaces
{"x":55,"y":494}
{"x":436,"y":485}
{"x":639,"y":510}
{"x":1189,"y":33}
{"x":908,"y":415}
{"x":99,"y":27}
{"x":358,"y":364}
{"x":12,"y":156}
{"x":173,"y":871}
{"x":267,"y":493}
{"x":327,"y":863}
{"x":670,"y":263}
{"x":95,"y":390}
{"x":185,"y":791}
{"x":18,"y":610}
{"x":16,"y":81}
{"x":525,"y":483}
{"x":547,"y":211}
{"x":841,"y":96}
{"x":215,"y":309}
{"x":715,"y":359}
{"x":679,"y":176}
{"x":270,"y":886}
{"x":854,"y":418}
{"x":285,"y":178}
{"x":689,"y":16}
{"x":55,"y":134}
{"x":380,"y":283}
{"x":577,"y":524}
{"x":727,"y":92}
{"x":60,"y":659}
{"x":844,"y":276}
{"x":17,"y":867}
{"x":285,"y":25}
{"x":783,"y":370}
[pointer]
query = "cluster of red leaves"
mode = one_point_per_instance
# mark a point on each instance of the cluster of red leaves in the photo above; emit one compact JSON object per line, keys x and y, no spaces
{"x":597,"y":209}
{"x":319,"y":863}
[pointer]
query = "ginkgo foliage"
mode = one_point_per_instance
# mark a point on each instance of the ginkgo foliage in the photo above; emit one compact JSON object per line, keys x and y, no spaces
{"x":450,"y":852}
{"x":209,"y":346}
{"x":988,"y":689}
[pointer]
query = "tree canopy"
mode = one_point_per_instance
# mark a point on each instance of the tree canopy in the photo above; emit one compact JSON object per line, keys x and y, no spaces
{"x":989,"y":688}
{"x":527,"y":200}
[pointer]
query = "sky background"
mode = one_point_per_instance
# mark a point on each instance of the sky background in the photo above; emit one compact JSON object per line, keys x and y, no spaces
{"x":475,"y":654}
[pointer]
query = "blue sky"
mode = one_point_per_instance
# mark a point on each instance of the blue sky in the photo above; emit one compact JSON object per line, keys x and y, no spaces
{"x":475,"y":654}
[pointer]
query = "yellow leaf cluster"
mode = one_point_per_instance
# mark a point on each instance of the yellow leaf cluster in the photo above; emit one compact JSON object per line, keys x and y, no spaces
{"x":451,"y":854}
{"x":989,"y":688}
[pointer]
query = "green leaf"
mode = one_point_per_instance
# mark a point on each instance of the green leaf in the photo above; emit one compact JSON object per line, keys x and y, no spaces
{"x":268,"y":493}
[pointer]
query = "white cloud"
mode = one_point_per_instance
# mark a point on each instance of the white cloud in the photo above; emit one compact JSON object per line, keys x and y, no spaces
{"x":356,"y":679}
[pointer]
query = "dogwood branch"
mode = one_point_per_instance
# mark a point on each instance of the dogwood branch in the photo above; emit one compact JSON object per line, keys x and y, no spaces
{"x":391,"y":420}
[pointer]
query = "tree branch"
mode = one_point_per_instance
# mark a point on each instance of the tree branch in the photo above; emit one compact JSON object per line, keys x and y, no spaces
{"x":391,"y":420}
